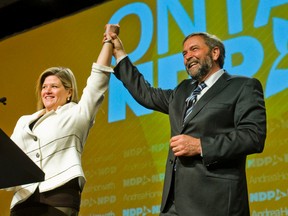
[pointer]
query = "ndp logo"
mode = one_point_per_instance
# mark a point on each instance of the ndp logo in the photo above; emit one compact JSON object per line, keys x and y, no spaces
{"x":141,"y":211}
{"x":267,"y":161}
{"x":268,"y":195}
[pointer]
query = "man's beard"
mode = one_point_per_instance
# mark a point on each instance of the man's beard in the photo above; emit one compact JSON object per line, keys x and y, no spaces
{"x":203,"y":70}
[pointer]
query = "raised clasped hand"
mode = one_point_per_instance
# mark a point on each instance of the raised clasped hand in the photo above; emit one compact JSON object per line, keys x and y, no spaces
{"x":112,"y":28}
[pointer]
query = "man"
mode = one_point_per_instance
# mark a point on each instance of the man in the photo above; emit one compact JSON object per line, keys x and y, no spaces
{"x":205,"y":169}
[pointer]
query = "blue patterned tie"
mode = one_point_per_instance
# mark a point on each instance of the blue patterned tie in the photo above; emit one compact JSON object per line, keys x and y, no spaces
{"x":190,"y":101}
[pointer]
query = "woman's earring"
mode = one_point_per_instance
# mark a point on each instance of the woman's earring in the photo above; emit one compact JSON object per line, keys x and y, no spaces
{"x":68,"y":99}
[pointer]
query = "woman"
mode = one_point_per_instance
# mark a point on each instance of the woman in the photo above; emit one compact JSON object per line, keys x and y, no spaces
{"x":54,"y":137}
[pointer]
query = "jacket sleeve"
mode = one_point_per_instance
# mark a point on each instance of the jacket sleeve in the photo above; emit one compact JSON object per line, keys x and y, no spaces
{"x":140,"y":89}
{"x":249,"y":133}
{"x":93,"y":93}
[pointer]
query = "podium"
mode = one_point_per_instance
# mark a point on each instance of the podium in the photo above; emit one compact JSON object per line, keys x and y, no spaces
{"x":16,"y":168}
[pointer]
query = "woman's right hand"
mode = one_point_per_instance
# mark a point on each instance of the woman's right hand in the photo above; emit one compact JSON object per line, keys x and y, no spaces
{"x":111,"y":33}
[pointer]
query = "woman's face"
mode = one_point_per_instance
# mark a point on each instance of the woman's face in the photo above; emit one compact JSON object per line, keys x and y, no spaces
{"x":53,"y":93}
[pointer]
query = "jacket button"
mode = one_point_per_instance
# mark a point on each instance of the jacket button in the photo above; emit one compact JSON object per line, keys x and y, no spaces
{"x":171,"y":161}
{"x":35,"y":138}
{"x":37,"y":155}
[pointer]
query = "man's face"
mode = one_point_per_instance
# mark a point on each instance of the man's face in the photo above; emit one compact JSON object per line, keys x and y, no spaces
{"x":197,"y":58}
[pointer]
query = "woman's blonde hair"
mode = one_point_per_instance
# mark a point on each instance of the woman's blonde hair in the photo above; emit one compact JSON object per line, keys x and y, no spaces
{"x":67,"y":78}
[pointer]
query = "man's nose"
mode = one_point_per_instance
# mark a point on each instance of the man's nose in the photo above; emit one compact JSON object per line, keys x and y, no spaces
{"x":188,"y":57}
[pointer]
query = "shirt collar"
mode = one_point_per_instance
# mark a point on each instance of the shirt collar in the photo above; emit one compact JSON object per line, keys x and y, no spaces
{"x":213,"y":78}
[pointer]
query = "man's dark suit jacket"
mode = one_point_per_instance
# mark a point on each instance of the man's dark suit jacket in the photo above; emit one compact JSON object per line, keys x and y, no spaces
{"x":230,"y":120}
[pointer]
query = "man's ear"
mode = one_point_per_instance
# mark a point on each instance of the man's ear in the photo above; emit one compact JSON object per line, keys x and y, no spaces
{"x":215,"y":53}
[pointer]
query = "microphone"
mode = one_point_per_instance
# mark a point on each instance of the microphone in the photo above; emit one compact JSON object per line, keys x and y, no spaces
{"x":3,"y":100}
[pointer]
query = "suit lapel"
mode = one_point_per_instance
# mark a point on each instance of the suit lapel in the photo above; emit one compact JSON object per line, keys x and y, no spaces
{"x":218,"y":86}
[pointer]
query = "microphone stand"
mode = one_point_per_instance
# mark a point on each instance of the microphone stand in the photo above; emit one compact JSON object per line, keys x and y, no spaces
{"x":3,"y":100}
